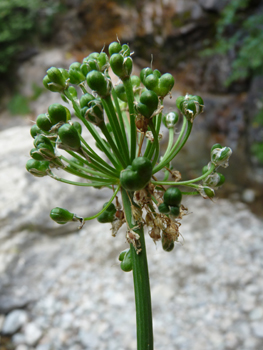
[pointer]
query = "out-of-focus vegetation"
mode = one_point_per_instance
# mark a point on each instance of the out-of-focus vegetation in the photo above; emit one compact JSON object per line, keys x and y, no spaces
{"x":239,"y":33}
{"x":23,"y":23}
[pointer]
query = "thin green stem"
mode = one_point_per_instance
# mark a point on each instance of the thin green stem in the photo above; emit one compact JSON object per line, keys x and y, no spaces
{"x":141,"y":283}
{"x":155,"y":143}
{"x":83,"y":184}
{"x":175,"y":148}
{"x":88,"y":177}
{"x":182,"y":183}
{"x":130,"y":99}
{"x":119,"y":137}
{"x":85,"y":169}
{"x":90,"y":127}
{"x":106,"y":206}
{"x":117,"y":106}
{"x":90,"y":167}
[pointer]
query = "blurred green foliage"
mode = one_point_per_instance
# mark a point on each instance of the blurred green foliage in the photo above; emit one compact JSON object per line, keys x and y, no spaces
{"x":22,"y":22}
{"x":257,"y":147}
{"x":239,"y":31}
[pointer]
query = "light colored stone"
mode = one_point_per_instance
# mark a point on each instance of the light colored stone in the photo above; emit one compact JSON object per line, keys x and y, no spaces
{"x":257,"y":328}
{"x":14,"y":321}
{"x":32,"y":334}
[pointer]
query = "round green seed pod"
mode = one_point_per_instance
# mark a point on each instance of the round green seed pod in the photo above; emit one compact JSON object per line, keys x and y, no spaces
{"x":170,"y":119}
{"x":37,"y":168}
{"x":175,"y":211}
{"x":73,"y":92}
{"x":126,"y":263}
{"x":69,"y":137}
{"x":172,"y":196}
{"x":114,"y":47}
{"x":98,"y":82}
{"x":78,"y":127}
{"x":163,"y":208}
{"x":120,"y":92}
{"x":43,"y":122}
{"x":35,"y":130}
{"x":34,"y":153}
{"x":85,"y":100}
{"x":122,"y":254}
{"x":61,"y":216}
{"x":108,"y":215}
{"x":216,"y":145}
{"x":179,"y":100}
{"x":57,"y":113}
{"x":41,"y":139}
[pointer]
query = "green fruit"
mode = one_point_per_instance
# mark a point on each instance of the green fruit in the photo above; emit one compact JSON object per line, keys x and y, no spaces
{"x":114,"y":47}
{"x":163,"y":208}
{"x":148,"y":103}
{"x":172,"y":196}
{"x":37,"y":168}
{"x":122,"y":254}
{"x":57,"y":113}
{"x":126,"y":264}
{"x":43,"y":122}
{"x":175,"y":211}
{"x":35,"y":131}
{"x":61,"y":216}
{"x":137,"y":175}
{"x":108,"y":215}
{"x":69,"y":137}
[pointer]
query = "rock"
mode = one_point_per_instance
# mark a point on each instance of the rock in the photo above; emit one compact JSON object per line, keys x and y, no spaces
{"x":14,"y":321}
{"x":257,"y":328}
{"x":32,"y":334}
{"x":22,"y":347}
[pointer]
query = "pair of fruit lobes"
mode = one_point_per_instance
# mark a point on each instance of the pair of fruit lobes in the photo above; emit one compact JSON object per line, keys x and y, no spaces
{"x":171,"y":202}
{"x":126,"y":260}
{"x":56,"y":114}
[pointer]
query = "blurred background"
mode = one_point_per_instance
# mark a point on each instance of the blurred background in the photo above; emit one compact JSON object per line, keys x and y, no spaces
{"x":213,"y":49}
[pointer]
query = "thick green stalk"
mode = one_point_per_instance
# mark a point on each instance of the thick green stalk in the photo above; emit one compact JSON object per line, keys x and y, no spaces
{"x":141,"y":283}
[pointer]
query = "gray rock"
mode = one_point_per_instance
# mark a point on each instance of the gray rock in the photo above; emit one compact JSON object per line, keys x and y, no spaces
{"x":257,"y":328}
{"x":14,"y":321}
{"x":32,"y":334}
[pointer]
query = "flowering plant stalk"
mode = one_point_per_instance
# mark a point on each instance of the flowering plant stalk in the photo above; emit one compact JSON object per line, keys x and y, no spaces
{"x":125,"y":122}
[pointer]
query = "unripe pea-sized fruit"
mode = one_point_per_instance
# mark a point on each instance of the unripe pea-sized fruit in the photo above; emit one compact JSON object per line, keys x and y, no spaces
{"x":120,"y":92}
{"x":148,"y":103}
{"x":73,"y":92}
{"x":98,"y":82}
{"x":137,"y":175}
{"x":121,"y":256}
{"x":43,"y":122}
{"x":40,"y":139}
{"x":121,"y":66}
{"x":114,"y":47}
{"x":172,"y":196}
{"x":35,"y":130}
{"x":216,"y":145}
{"x":209,"y":192}
{"x":78,"y":127}
{"x":57,"y":113}
{"x":188,"y":109}
{"x":56,"y":76}
{"x":163,"y":208}
{"x":205,"y":169}
{"x":75,"y":74}
{"x":61,"y":215}
{"x":108,"y":215}
{"x":179,"y":100}
{"x":85,"y":100}
{"x":175,"y":211}
{"x":35,"y":154}
{"x":69,"y":137}
{"x":170,"y":119}
{"x":126,"y":263}
{"x":37,"y":168}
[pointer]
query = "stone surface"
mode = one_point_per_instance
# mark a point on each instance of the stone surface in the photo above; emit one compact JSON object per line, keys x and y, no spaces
{"x":14,"y":321}
{"x":206,"y":293}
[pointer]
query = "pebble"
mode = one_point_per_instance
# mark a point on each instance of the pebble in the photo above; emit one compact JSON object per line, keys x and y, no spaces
{"x":32,"y":334}
{"x":14,"y":321}
{"x":257,"y":328}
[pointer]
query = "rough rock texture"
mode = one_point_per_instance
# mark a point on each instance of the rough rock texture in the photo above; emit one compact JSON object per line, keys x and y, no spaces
{"x":206,"y":293}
